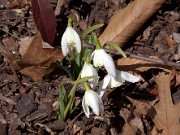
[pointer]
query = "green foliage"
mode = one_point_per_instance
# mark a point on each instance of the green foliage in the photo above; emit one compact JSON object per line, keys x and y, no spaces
{"x":76,"y":63}
{"x":62,"y":101}
{"x":66,"y":102}
{"x":90,"y":29}
{"x":115,"y":46}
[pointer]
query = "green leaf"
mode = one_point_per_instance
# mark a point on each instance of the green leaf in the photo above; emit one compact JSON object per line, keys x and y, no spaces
{"x":90,"y":29}
{"x":66,"y":70}
{"x":84,"y":79}
{"x":86,"y":53}
{"x":62,"y":101}
{"x":115,"y":46}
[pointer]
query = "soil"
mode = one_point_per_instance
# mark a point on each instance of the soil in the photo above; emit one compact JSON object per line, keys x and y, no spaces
{"x":35,"y":110}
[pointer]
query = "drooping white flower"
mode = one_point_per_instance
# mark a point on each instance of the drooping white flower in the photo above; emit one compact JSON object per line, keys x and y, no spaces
{"x":89,"y":70}
{"x":70,"y":40}
{"x":110,"y":81}
{"x":101,"y":58}
{"x":92,"y":99}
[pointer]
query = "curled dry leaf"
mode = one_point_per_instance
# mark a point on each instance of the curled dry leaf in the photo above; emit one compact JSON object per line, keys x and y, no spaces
{"x":127,"y":21}
{"x":167,"y":117}
{"x":37,"y":61}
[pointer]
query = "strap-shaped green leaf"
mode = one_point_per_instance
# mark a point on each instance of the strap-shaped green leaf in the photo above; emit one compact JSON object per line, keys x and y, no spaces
{"x":115,"y":46}
{"x":90,"y":29}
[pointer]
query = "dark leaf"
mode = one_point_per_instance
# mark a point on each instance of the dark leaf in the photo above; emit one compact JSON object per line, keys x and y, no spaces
{"x":45,"y":20}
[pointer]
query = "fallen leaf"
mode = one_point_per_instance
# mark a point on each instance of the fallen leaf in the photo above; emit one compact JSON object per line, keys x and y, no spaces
{"x":10,"y":44}
{"x":128,"y":64}
{"x":37,"y":61}
{"x":24,"y":44}
{"x":124,"y":23}
{"x":45,"y":20}
{"x":127,"y":128}
{"x":141,"y":108}
{"x":167,"y":117}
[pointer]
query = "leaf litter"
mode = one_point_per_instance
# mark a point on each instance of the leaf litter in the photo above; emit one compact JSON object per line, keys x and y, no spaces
{"x":130,"y":109}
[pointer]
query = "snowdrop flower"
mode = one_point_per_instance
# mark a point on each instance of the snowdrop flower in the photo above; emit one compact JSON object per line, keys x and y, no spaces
{"x":92,"y":99}
{"x":101,"y":58}
{"x":89,"y":70}
{"x":70,"y":40}
{"x":110,"y":81}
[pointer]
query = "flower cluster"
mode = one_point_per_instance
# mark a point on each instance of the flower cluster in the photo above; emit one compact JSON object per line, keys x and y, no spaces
{"x":114,"y":78}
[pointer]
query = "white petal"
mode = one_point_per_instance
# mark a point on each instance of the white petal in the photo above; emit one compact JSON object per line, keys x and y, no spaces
{"x":129,"y":77}
{"x":106,"y":81}
{"x":108,"y":63}
{"x":77,"y":41}
{"x":103,"y":85}
{"x":101,"y":106}
{"x":64,"y":42}
{"x":115,"y":83}
{"x":89,"y":70}
{"x":119,"y":77}
{"x":85,"y":107}
{"x":97,"y":58}
{"x":92,"y":101}
{"x":70,"y":39}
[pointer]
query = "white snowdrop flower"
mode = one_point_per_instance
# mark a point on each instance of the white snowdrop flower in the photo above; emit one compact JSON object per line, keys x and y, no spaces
{"x":110,"y":81}
{"x":89,"y":70}
{"x":101,"y":58}
{"x":92,"y":99}
{"x":70,"y":40}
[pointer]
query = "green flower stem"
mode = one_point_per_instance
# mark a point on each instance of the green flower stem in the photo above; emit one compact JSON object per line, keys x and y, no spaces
{"x":72,"y":92}
{"x":87,"y":60}
{"x":69,"y":22}
{"x":86,"y":85}
{"x":71,"y":100}
{"x":96,"y":42}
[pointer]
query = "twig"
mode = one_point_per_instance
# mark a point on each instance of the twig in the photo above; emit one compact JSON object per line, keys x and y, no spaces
{"x":46,"y":128}
{"x":157,"y":61}
{"x":146,"y":84}
{"x":71,"y":123}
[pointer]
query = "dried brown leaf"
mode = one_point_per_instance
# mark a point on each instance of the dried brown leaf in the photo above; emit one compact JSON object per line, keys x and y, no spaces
{"x":37,"y":61}
{"x":167,"y":118}
{"x":45,"y":20}
{"x":127,"y":21}
{"x":128,"y":130}
{"x":128,"y":64}
{"x":141,"y":108}
{"x":24,"y":44}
